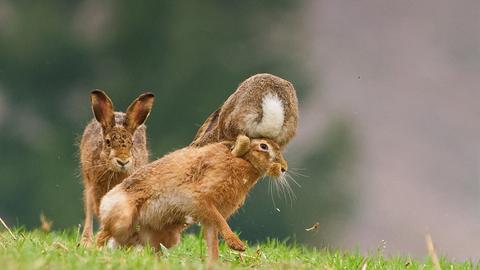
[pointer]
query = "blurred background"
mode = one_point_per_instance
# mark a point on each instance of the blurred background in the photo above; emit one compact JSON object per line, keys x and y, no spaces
{"x":388,"y":144}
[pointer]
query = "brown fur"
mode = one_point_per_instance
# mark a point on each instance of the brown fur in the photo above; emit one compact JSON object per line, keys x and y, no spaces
{"x":206,"y":184}
{"x":109,"y":140}
{"x":230,"y":120}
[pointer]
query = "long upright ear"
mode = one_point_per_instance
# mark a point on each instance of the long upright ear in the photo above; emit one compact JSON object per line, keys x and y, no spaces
{"x":102,"y":107}
{"x":138,"y":111}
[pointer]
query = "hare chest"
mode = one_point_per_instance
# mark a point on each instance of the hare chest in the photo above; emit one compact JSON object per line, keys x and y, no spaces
{"x":228,"y":190}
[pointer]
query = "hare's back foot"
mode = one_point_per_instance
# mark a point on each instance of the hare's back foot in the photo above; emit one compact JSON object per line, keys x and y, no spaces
{"x":86,"y":241}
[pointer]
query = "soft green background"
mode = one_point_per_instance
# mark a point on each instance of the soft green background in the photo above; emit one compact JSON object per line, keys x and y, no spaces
{"x":192,"y":55}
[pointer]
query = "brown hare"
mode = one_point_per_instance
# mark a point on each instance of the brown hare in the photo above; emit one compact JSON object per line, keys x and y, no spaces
{"x":194,"y":184}
{"x":113,"y":145}
{"x":263,"y":106}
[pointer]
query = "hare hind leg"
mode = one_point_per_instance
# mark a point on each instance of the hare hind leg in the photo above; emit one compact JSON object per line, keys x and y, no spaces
{"x":168,"y":236}
{"x":120,"y":228}
{"x":117,"y":217}
{"x":102,"y":237}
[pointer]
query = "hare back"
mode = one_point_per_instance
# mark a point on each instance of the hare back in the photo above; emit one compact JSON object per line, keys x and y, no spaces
{"x":176,"y":185}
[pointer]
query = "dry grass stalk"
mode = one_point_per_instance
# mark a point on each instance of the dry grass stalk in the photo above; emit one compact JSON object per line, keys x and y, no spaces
{"x":8,"y":229}
{"x":60,"y":246}
{"x":45,"y":224}
{"x":432,"y":252}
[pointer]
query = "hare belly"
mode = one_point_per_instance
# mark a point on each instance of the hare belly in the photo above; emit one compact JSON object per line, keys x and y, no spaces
{"x":164,"y":210}
{"x":272,"y":118}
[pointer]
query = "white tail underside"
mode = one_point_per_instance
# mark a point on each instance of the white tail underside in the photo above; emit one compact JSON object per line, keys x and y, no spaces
{"x":272,"y":119}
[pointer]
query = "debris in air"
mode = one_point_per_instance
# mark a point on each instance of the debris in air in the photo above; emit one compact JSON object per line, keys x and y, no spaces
{"x":313,"y":228}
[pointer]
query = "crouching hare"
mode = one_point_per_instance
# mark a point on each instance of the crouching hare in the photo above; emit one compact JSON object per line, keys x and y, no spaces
{"x":113,"y":145}
{"x":194,"y":184}
{"x":263,"y":106}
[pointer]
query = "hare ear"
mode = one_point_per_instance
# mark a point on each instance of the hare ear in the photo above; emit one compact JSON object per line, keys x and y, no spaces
{"x":102,"y":107}
{"x":138,"y":111}
{"x":242,"y":146}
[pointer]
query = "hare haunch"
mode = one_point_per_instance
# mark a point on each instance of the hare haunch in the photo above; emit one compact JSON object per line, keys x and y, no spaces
{"x":263,"y":106}
{"x":113,"y":145}
{"x":194,"y":184}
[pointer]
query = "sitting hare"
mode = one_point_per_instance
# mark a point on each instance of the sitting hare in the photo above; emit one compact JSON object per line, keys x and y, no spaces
{"x":263,"y":106}
{"x":194,"y":184}
{"x":113,"y":145}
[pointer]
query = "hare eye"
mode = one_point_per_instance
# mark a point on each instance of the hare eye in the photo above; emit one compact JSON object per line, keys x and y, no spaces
{"x":107,"y":141}
{"x":264,"y":146}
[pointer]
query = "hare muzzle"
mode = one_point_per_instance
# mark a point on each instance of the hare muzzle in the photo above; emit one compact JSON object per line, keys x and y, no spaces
{"x":122,"y":164}
{"x":276,"y":170}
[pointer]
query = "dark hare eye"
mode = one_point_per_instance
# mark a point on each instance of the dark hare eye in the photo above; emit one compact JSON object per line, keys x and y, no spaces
{"x":107,"y":141}
{"x":264,"y":146}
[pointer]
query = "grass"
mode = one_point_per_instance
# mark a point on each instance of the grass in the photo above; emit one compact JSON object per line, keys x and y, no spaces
{"x":58,"y":250}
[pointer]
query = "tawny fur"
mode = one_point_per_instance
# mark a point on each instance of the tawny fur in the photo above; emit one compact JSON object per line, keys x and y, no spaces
{"x":263,"y":106}
{"x":206,"y":184}
{"x":113,"y":145}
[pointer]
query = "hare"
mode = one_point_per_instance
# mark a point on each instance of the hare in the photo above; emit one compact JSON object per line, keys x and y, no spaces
{"x":263,"y":106}
{"x":194,"y":184}
{"x":113,"y":145}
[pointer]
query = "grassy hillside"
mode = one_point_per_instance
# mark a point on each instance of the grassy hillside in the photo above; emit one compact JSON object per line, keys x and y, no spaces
{"x":58,"y":250}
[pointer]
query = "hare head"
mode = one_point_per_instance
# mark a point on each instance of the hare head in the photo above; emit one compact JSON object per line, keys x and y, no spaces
{"x":266,"y":156}
{"x":118,"y":135}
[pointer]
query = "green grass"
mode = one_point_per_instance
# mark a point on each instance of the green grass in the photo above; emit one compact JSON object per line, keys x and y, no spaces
{"x":58,"y":250}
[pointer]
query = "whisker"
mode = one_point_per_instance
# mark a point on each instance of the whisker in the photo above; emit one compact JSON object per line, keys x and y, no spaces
{"x":103,"y":164}
{"x":276,"y":186}
{"x":290,"y":192}
{"x":282,"y":186}
{"x":110,"y":180}
{"x":293,"y":180}
{"x":270,"y":190}
{"x":292,"y":171}
{"x":96,"y":166}
{"x":298,"y":169}
{"x":288,"y":189}
{"x":104,"y":172}
{"x":92,"y":166}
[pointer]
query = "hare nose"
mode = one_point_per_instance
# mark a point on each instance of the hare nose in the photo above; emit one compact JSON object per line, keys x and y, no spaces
{"x":283,"y":169}
{"x":123,"y":162}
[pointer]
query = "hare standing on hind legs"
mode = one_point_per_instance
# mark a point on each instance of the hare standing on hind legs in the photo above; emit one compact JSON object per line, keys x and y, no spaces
{"x":263,"y":106}
{"x":206,"y":184}
{"x":113,"y":145}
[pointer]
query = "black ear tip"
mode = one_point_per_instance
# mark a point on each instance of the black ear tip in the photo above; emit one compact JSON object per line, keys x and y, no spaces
{"x":98,"y":92}
{"x":146,"y":95}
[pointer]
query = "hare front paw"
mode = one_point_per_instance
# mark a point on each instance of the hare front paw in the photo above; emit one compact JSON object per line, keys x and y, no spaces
{"x":235,"y":243}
